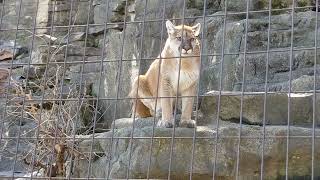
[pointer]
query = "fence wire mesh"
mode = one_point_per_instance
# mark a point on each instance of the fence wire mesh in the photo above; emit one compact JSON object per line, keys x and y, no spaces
{"x":149,"y":89}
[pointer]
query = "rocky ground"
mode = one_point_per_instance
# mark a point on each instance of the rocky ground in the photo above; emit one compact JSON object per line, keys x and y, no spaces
{"x":206,"y":155}
{"x":91,"y":68}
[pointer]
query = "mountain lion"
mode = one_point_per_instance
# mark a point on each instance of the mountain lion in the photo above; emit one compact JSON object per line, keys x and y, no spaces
{"x":181,"y":54}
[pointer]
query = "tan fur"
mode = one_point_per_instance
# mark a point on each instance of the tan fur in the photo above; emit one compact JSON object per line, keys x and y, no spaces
{"x":168,"y":80}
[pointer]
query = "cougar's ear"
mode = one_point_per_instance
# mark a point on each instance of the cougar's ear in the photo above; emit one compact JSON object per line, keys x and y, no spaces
{"x":170,"y":27}
{"x":196,"y":29}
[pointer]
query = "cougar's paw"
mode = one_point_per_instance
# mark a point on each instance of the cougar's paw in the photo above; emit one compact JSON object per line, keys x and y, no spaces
{"x":187,"y":123}
{"x":158,"y":113}
{"x":164,"y":124}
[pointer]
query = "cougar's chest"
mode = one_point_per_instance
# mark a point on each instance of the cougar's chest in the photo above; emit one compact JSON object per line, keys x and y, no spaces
{"x":185,"y":76}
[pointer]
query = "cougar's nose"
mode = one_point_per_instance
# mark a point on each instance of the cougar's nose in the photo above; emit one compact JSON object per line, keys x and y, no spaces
{"x":186,"y":47}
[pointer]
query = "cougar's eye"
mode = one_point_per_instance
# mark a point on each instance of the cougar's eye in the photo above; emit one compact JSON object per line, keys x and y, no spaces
{"x":179,"y":38}
{"x":192,"y":39}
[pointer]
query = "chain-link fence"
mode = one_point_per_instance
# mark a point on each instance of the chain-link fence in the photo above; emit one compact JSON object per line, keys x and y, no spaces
{"x":159,"y":89}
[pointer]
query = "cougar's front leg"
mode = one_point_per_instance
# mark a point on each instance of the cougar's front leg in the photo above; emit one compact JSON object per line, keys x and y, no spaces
{"x":166,"y":105}
{"x":187,"y":104}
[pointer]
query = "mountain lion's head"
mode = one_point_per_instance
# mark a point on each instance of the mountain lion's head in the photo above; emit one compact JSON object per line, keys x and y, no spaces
{"x":184,"y":39}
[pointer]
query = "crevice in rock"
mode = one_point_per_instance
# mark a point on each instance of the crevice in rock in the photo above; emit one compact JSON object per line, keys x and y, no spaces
{"x":244,"y":121}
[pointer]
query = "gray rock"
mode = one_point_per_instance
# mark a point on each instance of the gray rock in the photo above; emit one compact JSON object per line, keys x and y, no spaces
{"x":48,"y":13}
{"x":59,"y":13}
{"x":78,"y":39}
{"x":63,"y":53}
{"x":15,"y":49}
{"x":301,"y":108}
{"x":31,"y":72}
{"x":76,"y":59}
{"x":26,"y":19}
{"x":117,"y":68}
{"x":4,"y":74}
{"x":233,"y":41}
{"x":86,"y":68}
{"x":72,"y":50}
{"x":91,"y":42}
{"x":85,"y":79}
{"x":112,"y":11}
{"x":305,"y":83}
{"x":19,"y":62}
{"x":138,"y":123}
{"x":280,"y":42}
{"x":211,"y":44}
{"x":278,"y":71}
{"x":11,"y":127}
{"x":211,"y":6}
{"x":280,"y":81}
{"x":137,"y":152}
{"x":7,"y":175}
{"x":240,"y":6}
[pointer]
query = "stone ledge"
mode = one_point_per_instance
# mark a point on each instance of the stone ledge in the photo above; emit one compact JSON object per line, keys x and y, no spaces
{"x":300,"y":144}
{"x":301,"y":108}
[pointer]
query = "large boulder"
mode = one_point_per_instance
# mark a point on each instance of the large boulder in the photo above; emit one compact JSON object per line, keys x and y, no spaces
{"x":154,"y":155}
{"x":303,"y":59}
{"x":276,"y":113}
{"x":118,"y":71}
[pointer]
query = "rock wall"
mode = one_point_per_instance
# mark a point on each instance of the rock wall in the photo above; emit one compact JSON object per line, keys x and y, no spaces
{"x":75,"y":55}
